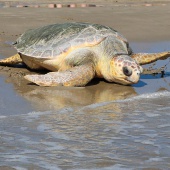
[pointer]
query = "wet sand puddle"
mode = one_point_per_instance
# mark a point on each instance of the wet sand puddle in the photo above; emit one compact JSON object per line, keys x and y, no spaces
{"x":103,"y":126}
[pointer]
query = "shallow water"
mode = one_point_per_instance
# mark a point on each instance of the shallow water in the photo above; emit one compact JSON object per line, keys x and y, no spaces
{"x":102,"y":127}
{"x":126,"y":134}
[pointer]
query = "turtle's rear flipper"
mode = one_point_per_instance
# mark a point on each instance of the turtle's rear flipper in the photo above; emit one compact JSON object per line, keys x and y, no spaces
{"x":15,"y":59}
{"x":147,"y":58}
{"x":76,"y":76}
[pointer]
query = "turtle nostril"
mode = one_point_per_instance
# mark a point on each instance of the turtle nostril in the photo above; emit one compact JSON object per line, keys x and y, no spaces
{"x":138,"y":73}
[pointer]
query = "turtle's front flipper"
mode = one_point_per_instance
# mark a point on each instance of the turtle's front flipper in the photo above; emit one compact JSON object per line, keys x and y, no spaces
{"x":146,"y":58}
{"x":76,"y":76}
{"x":15,"y":59}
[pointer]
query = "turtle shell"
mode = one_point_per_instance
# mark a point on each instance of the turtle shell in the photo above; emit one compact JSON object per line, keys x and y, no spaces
{"x":53,"y":40}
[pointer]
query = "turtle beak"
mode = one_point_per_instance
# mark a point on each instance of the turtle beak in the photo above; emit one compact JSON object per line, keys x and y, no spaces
{"x":135,"y":76}
{"x":133,"y":79}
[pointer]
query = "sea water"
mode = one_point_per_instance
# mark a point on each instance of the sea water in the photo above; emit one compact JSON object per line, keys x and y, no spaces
{"x":124,"y":133}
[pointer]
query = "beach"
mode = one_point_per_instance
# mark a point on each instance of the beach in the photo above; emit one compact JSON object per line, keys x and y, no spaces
{"x":47,"y":127}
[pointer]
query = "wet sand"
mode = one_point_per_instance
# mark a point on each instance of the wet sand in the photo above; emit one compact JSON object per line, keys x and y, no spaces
{"x":141,"y":25}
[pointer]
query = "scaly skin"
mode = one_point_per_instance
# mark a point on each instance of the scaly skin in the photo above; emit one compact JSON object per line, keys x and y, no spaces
{"x":15,"y":59}
{"x":147,"y":58}
{"x":119,"y":63}
{"x":76,"y":76}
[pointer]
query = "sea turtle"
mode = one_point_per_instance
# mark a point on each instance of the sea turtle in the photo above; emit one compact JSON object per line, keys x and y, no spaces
{"x":75,"y":53}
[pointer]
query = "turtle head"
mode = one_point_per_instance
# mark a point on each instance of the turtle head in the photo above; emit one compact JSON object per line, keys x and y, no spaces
{"x":124,"y":70}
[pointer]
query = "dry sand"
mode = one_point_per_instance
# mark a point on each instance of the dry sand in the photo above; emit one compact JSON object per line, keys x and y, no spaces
{"x":137,"y":21}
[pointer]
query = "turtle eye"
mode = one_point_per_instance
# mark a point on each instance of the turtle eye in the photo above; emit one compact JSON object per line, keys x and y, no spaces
{"x":126,"y":71}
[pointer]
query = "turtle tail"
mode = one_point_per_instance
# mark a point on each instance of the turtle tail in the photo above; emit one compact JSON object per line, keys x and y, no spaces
{"x":15,"y":59}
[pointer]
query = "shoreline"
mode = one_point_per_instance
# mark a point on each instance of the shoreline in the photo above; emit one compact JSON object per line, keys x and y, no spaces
{"x":91,"y":127}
